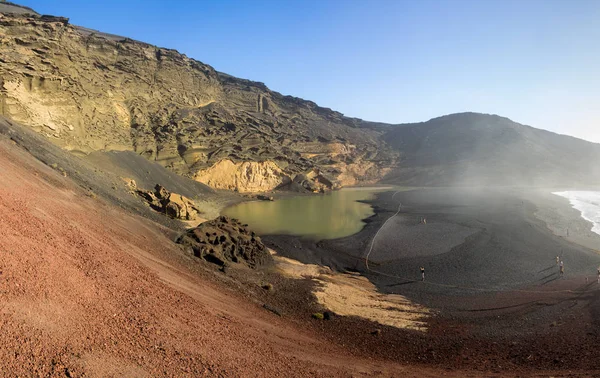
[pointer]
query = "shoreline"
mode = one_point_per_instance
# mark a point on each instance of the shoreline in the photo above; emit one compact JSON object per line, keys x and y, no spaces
{"x":310,"y":216}
{"x":570,"y":218}
{"x":517,"y":320}
{"x":520,"y":209}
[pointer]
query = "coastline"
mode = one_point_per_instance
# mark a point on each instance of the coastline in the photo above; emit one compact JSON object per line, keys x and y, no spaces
{"x":516,"y":317}
{"x":561,"y":216}
{"x":506,"y":240}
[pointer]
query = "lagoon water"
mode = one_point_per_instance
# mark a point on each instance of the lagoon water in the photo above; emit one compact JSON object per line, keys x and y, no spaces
{"x":327,"y":216}
{"x":588,"y":203}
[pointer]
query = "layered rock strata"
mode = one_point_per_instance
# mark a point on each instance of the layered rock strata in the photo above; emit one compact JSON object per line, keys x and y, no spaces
{"x":88,"y":91}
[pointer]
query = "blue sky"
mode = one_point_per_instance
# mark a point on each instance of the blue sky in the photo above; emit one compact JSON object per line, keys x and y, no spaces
{"x":536,"y":62}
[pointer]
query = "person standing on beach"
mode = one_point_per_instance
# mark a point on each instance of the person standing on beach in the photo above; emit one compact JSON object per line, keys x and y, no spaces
{"x":562,"y":268}
{"x":423,"y":273}
{"x":599,"y":274}
{"x":557,"y":260}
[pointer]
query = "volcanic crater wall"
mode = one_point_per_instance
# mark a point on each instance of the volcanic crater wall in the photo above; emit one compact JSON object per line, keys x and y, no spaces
{"x":88,"y":91}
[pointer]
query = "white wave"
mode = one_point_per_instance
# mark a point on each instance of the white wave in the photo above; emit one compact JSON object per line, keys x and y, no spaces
{"x":588,"y":203}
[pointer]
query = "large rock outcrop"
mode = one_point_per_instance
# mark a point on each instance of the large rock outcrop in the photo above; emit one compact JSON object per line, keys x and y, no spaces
{"x":244,"y":176}
{"x":225,"y":240}
{"x":88,"y":91}
{"x":171,"y":204}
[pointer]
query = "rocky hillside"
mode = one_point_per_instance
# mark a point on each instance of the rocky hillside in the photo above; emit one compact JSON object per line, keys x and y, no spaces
{"x":88,"y":92}
{"x":97,"y":94}
{"x":471,"y":149}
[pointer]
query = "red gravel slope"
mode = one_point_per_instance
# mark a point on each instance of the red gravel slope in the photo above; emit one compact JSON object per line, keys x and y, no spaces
{"x":87,"y":289}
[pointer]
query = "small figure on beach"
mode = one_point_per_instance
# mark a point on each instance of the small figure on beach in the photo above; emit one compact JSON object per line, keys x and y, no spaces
{"x":598,"y":274}
{"x":424,"y":220}
{"x":423,"y":273}
{"x":562,"y":268}
{"x":557,"y":260}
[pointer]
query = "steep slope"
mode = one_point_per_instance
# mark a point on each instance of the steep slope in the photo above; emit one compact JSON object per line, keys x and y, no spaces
{"x":89,"y":91}
{"x":480,"y":149}
{"x":107,"y":175}
{"x":89,"y":290}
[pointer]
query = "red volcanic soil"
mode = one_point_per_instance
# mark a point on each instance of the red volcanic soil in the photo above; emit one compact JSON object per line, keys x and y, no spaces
{"x":87,"y":289}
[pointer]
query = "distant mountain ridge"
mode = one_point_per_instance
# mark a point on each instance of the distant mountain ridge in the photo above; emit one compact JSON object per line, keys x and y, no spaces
{"x":91,"y":92}
{"x":471,"y":149}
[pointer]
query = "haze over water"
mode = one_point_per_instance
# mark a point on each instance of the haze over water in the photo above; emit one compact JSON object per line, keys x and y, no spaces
{"x":588,"y":203}
{"x":328,"y":216}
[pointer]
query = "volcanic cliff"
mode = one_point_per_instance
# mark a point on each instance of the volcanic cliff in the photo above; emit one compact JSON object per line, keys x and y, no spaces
{"x":94,"y":93}
{"x":88,"y":91}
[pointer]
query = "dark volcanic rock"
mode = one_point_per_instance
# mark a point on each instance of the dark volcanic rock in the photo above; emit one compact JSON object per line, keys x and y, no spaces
{"x":225,"y":240}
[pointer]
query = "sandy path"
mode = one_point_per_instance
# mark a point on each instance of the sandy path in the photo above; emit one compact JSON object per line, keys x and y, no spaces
{"x":89,"y":289}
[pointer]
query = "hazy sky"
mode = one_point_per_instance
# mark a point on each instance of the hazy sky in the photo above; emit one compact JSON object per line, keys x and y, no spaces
{"x":536,"y":62}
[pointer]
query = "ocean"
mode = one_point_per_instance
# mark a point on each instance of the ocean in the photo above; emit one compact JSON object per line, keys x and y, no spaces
{"x":588,"y":203}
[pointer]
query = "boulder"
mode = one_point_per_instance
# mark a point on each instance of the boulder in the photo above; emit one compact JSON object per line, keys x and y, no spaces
{"x":130,"y":183}
{"x":225,"y":240}
{"x":173,"y":205}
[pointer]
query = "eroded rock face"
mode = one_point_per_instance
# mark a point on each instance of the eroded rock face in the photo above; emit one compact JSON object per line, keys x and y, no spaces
{"x":361,"y":173}
{"x":224,"y":240}
{"x":172,"y":204}
{"x":312,"y":181}
{"x":244,"y":176}
{"x":89,"y":91}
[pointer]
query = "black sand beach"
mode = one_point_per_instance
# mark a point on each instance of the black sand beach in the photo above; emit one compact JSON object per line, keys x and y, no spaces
{"x":475,"y":239}
{"x":491,"y":277}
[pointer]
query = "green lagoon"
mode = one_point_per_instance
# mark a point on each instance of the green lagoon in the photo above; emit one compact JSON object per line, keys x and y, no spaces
{"x":326,"y":216}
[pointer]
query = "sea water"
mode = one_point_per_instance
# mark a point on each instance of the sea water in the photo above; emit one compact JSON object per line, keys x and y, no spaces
{"x":588,"y":203}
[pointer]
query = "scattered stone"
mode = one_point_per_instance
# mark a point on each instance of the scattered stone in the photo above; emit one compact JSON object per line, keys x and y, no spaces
{"x":267,"y":287}
{"x":318,"y":316}
{"x":376,"y":332}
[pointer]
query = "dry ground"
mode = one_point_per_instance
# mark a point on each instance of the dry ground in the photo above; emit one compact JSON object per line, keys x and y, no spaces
{"x":87,"y":289}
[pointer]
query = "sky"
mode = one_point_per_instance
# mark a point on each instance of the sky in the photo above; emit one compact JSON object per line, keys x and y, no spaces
{"x":395,"y":61}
